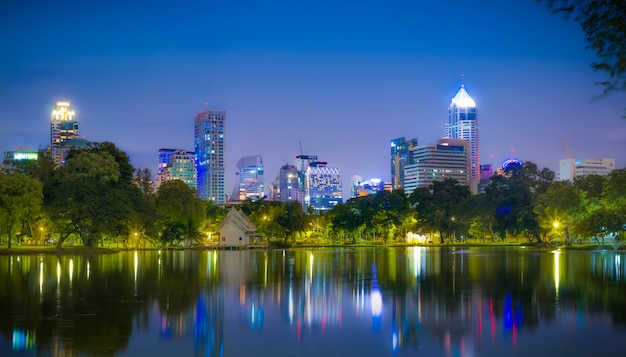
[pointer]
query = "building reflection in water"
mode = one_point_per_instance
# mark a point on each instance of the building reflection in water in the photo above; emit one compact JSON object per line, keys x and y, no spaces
{"x":463,"y":300}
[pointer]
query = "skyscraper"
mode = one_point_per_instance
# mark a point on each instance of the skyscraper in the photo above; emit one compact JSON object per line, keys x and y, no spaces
{"x":323,"y":187}
{"x":250,"y":181}
{"x":463,"y":124}
{"x":63,"y":127}
{"x":289,"y":186}
{"x":209,"y":149}
{"x":401,"y":155}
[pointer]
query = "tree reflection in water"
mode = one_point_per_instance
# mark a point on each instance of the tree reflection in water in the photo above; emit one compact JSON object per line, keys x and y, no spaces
{"x":372,"y":302}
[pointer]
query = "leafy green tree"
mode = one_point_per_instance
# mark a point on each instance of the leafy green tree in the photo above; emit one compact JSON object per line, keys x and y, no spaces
{"x":85,"y":198}
{"x":510,"y":199}
{"x":180,"y":213}
{"x":345,"y":219}
{"x":560,"y":203}
{"x":214,"y":216}
{"x":604,"y":25}
{"x":293,"y":219}
{"x":439,"y":206}
{"x":20,"y":199}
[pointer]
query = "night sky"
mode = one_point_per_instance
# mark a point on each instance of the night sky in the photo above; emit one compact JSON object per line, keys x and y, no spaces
{"x":338,"y":78}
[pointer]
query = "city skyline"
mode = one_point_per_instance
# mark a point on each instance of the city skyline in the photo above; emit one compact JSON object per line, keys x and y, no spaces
{"x":342,"y":80}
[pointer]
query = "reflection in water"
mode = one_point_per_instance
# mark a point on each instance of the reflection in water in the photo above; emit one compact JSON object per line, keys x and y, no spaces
{"x":371,"y":302}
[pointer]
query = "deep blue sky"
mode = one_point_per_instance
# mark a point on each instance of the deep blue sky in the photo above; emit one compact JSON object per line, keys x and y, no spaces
{"x":340,"y":77}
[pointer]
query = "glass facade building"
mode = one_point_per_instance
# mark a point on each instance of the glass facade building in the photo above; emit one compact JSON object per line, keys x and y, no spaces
{"x":290,"y":188}
{"x":250,"y":181}
{"x":323,"y":187}
{"x":401,"y":155}
{"x":209,"y":154}
{"x":463,"y":124}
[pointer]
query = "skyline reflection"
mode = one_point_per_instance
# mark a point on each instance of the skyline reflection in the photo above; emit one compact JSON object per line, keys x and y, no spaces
{"x":370,"y":301}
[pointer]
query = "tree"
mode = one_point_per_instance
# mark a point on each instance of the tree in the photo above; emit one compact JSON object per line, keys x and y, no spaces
{"x":85,"y":197}
{"x":180,"y":212}
{"x":561,"y":204}
{"x":439,"y":206}
{"x":293,"y":218}
{"x":20,"y":198}
{"x":143,"y":180}
{"x":604,"y":25}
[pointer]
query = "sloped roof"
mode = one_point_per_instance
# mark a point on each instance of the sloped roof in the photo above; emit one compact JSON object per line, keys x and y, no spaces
{"x":235,"y":216}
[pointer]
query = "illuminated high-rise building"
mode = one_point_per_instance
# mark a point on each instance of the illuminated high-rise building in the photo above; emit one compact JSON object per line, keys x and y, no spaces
{"x":176,"y":164}
{"x":463,"y":124}
{"x":323,"y":187}
{"x":209,"y":149}
{"x":401,"y":155}
{"x":63,"y":127}
{"x":250,"y":179}
{"x":289,"y":185}
{"x":449,"y":158}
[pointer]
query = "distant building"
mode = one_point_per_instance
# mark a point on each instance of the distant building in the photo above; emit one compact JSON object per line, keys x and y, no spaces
{"x":250,"y":182}
{"x":209,"y":153}
{"x":372,"y":186}
{"x":323,"y":187}
{"x":449,"y":158}
{"x":585,"y":167}
{"x":63,"y":127}
{"x":401,"y":155}
{"x":14,"y":160}
{"x":486,"y":171}
{"x":289,"y":186}
{"x":463,"y":124}
{"x":176,"y":164}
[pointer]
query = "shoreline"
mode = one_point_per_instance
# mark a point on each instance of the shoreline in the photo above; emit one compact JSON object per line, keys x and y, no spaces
{"x":39,"y":250}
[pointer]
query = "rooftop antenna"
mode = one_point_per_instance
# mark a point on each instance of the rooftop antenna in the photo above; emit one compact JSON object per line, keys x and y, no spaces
{"x":300,"y":143}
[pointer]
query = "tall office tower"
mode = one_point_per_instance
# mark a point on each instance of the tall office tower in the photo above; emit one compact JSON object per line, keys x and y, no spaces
{"x":63,"y":127}
{"x":323,"y":187}
{"x":463,"y":124}
{"x":569,"y":169}
{"x":209,"y":149}
{"x":249,"y":183}
{"x":302,"y":163}
{"x":176,"y":164}
{"x":289,"y":186}
{"x":401,"y":155}
{"x":449,"y":158}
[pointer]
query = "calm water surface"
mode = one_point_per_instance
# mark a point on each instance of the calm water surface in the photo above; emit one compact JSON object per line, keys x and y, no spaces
{"x":316,"y":302}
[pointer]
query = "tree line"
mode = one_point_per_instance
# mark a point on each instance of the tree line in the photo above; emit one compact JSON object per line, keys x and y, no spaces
{"x":96,"y":198}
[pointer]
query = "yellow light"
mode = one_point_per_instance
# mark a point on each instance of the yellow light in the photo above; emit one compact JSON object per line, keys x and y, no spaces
{"x":556,"y":224}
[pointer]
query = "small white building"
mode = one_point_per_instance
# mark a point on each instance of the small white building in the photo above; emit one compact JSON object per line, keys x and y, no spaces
{"x":236,"y":230}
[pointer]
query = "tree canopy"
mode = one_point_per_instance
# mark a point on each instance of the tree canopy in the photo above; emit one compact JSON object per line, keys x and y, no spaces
{"x":604,"y":25}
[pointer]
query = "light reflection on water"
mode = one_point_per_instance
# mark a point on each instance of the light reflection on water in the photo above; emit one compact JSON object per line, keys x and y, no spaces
{"x":307,"y":302}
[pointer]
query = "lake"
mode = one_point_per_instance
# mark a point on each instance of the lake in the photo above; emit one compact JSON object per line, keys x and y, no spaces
{"x":409,"y":301}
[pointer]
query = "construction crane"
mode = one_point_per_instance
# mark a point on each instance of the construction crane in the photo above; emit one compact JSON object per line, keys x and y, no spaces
{"x":571,"y":159}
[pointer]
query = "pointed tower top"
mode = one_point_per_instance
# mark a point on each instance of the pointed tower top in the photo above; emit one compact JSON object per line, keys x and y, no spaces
{"x":462,"y":99}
